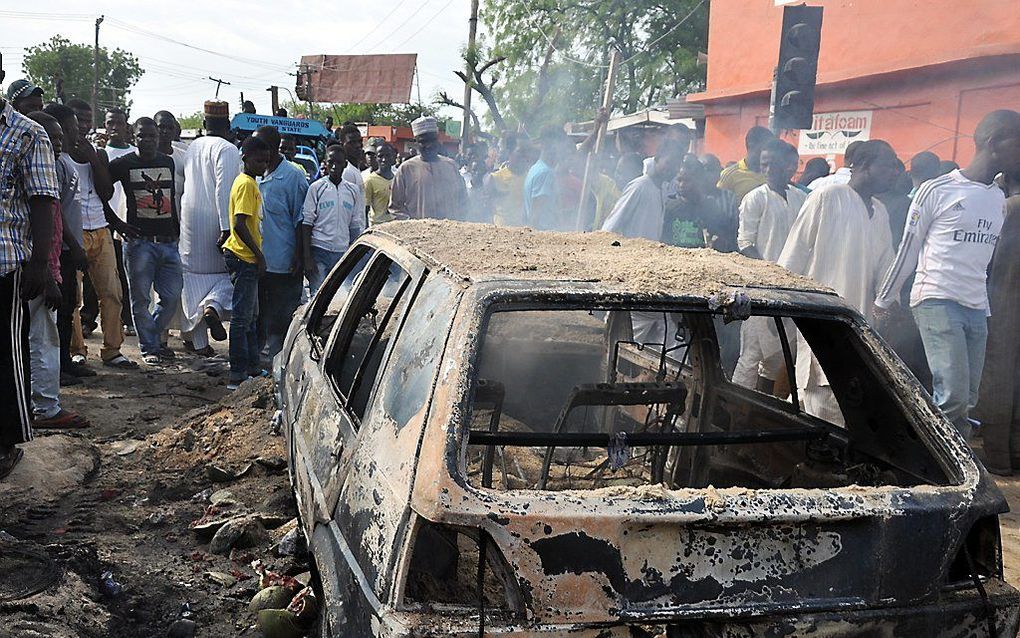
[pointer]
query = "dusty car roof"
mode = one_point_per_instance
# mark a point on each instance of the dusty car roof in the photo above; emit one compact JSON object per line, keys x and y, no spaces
{"x":484,"y":252}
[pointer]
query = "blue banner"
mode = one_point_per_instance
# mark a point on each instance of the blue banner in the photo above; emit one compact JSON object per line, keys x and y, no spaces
{"x":294,"y":126}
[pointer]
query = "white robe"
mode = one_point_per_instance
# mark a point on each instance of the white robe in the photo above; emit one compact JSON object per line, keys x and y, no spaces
{"x":639,"y":212}
{"x":210,"y":166}
{"x":765,"y":222}
{"x":837,"y":244}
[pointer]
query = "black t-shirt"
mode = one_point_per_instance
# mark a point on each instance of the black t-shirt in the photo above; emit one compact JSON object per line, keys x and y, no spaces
{"x":149,"y":189}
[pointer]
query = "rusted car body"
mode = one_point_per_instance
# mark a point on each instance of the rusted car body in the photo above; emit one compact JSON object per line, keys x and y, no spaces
{"x":487,"y":439}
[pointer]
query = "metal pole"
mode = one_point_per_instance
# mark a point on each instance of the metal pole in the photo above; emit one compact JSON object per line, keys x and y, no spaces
{"x":274,"y":93}
{"x":465,"y":134}
{"x":600,"y":134}
{"x":95,"y":76}
{"x":218,"y":82}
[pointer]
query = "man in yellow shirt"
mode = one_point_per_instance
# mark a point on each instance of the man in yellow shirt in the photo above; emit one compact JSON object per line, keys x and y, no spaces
{"x":379,"y":184}
{"x":745,"y":176}
{"x":504,"y":188}
{"x":243,"y":254}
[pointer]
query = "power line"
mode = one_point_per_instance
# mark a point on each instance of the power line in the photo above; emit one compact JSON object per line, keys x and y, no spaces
{"x":378,"y":24}
{"x":671,"y":30}
{"x":245,"y":60}
{"x":400,"y":26}
{"x":422,"y":27}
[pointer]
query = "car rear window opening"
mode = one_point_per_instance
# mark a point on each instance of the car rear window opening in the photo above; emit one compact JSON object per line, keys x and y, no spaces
{"x":583,"y":399}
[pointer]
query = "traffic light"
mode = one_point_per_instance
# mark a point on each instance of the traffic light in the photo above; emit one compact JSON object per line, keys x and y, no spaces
{"x":793,"y":96}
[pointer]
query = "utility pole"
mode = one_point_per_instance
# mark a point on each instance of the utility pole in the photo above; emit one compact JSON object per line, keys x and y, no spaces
{"x":591,"y":165}
{"x":95,"y":76}
{"x":465,"y":133}
{"x":274,"y":94}
{"x":218,"y":83}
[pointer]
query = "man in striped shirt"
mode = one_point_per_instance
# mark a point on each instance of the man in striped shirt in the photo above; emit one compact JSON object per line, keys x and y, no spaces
{"x":28,"y":191}
{"x":951,"y":232}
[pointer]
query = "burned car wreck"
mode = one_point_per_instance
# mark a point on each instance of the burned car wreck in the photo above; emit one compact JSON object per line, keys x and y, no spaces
{"x":505,"y":432}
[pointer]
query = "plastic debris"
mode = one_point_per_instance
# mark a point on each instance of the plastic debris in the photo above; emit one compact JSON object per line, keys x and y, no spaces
{"x":108,"y":586}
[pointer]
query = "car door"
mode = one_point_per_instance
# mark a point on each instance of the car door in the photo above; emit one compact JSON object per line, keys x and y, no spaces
{"x":308,"y":394}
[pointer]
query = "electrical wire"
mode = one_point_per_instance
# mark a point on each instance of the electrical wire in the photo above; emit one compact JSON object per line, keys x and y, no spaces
{"x":354,"y":47}
{"x":422,"y":27}
{"x":671,"y":30}
{"x":126,"y":26}
{"x":400,"y":26}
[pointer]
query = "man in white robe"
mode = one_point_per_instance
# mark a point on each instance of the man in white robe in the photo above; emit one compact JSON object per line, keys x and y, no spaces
{"x":211,"y":164}
{"x":766,"y":215}
{"x":842,"y":239}
{"x":641,"y":212}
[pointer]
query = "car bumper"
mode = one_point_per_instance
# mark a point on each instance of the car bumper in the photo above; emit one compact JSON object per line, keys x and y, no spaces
{"x":960,"y":614}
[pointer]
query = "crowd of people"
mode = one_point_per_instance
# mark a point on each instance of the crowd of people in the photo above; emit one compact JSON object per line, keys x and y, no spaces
{"x":133,"y":231}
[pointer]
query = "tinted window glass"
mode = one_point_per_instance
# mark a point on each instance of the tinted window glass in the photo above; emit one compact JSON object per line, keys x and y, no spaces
{"x":333,"y":295}
{"x":354,"y":362}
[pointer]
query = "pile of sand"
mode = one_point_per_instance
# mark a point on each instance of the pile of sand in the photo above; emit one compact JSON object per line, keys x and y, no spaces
{"x":484,"y":251}
{"x":229,"y":433}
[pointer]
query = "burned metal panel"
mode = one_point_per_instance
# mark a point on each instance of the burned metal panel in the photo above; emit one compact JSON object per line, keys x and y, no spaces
{"x":782,"y":549}
{"x":373,"y":506}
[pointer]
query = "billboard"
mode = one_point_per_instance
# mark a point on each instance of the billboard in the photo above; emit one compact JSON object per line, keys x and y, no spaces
{"x":831,"y":133}
{"x":358,"y":79}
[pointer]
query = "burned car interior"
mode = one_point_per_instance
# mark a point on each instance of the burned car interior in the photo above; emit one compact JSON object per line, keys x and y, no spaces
{"x":571,"y":399}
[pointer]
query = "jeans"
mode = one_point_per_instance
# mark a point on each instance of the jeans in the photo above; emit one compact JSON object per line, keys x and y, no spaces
{"x":324,"y":262}
{"x":153,"y":266}
{"x":279,"y":297}
{"x":102,"y":273}
{"x":954,"y":339}
{"x":244,"y":342}
{"x":44,"y":349}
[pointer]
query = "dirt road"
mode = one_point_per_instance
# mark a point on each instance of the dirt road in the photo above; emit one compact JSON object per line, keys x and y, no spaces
{"x":121,"y":497}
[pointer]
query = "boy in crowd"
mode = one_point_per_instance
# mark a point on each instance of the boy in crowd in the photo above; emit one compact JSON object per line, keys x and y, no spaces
{"x":766,"y":215}
{"x":43,"y":337}
{"x":242,"y":252}
{"x":379,"y":184}
{"x":151,"y":258}
{"x":331,"y":219}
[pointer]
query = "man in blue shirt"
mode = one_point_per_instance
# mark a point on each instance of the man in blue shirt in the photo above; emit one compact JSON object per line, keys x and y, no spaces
{"x":543,"y":206}
{"x":283,"y":191}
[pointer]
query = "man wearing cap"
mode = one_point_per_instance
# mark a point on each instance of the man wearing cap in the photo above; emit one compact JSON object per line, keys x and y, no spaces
{"x":210,"y":167}
{"x":25,"y":97}
{"x":428,"y":185}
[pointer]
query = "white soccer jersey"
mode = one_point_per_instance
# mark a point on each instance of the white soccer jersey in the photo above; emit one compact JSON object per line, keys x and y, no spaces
{"x":950,"y":235}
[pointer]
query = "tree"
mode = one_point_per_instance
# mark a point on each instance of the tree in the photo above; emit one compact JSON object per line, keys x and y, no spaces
{"x":60,"y":63}
{"x":381,"y":114}
{"x":193,"y":121}
{"x":557,"y":54}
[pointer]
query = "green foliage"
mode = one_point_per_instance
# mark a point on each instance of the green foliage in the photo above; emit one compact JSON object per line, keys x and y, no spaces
{"x":659,"y":58}
{"x":382,"y":114}
{"x":59,"y":58}
{"x":193,"y":121}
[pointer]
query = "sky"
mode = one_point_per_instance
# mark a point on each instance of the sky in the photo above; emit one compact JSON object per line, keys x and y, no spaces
{"x":255,"y":44}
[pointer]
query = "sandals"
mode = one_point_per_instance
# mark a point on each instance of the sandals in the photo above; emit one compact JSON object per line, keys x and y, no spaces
{"x":151,"y":359}
{"x":122,"y":362}
{"x":80,"y":370}
{"x":63,"y":420}
{"x":214,"y":324}
{"x":9,"y":461}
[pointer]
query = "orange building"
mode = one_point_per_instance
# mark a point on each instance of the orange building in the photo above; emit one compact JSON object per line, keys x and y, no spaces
{"x":919,"y":74}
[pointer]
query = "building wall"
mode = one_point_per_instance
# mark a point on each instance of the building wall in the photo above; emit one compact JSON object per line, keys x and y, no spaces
{"x":936,"y":109}
{"x":928,"y":69}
